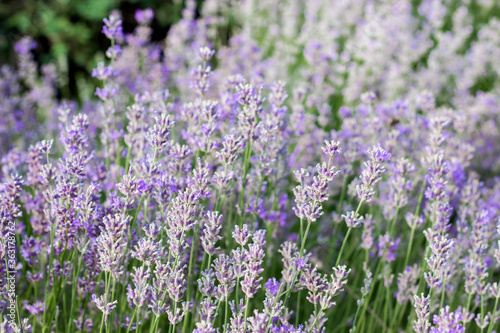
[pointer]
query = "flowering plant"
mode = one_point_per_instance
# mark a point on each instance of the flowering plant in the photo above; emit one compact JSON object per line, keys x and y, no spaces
{"x":330,"y":169}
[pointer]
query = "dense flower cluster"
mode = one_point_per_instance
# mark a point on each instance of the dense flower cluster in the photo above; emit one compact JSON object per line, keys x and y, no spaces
{"x":204,"y":188}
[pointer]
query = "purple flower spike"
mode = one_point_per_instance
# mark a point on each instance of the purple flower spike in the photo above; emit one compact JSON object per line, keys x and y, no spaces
{"x":113,"y":27}
{"x":422,"y":308}
{"x":372,"y":172}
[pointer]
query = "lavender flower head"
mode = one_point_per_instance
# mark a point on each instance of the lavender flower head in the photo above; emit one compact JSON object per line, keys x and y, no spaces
{"x":113,"y":27}
{"x":372,"y":172}
{"x":353,"y":219}
{"x":422,"y":308}
{"x":448,"y":321}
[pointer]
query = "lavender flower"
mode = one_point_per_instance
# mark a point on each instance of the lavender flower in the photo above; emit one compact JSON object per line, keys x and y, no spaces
{"x":438,"y":260}
{"x":332,"y":148}
{"x":407,"y":286}
{"x":158,"y":135}
{"x":353,"y":220}
{"x":371,"y":173}
{"x":113,"y":27}
{"x":241,"y":235}
{"x":123,"y":203}
{"x":225,"y":275}
{"x":422,"y":308}
{"x":139,"y":294}
{"x":100,"y":302}
{"x":448,"y":321}
{"x":387,"y":247}
{"x":111,"y":243}
{"x":251,"y":281}
{"x":368,"y":236}
{"x":211,"y":232}
{"x":272,"y":286}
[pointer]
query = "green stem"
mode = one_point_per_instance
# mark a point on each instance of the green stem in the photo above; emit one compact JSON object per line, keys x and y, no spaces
{"x":248,"y":154}
{"x":247,"y":306}
{"x":175,"y":314}
{"x":410,"y":245}
{"x":393,"y":223}
{"x":127,"y":161}
{"x":443,"y":289}
{"x":343,"y":246}
{"x":216,"y":319}
{"x":412,"y":235}
{"x":237,"y":303}
{"x":112,"y":297}
{"x":397,"y":315}
{"x":76,"y":271}
{"x":197,"y":295}
{"x":298,"y":309}
{"x":492,"y":320}
{"x":132,"y":320}
{"x":301,"y":253}
{"x":315,"y":322}
{"x":226,"y":313}
{"x":83,"y":301}
{"x":153,"y":325}
{"x":302,"y":246}
{"x":420,"y":198}
{"x":469,"y":299}
{"x":482,"y":311}
{"x":301,"y":230}
{"x":191,"y":260}
{"x":35,"y":286}
{"x":367,"y":299}
{"x":317,"y":316}
{"x":229,"y":229}
{"x":137,"y":323}
{"x":106,"y":290}
{"x":386,"y":306}
{"x":51,"y":259}
{"x":342,"y":194}
{"x":347,"y":235}
{"x":353,"y":329}
{"x":102,"y":323}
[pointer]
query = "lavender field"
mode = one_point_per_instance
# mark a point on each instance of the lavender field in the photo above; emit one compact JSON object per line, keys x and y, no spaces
{"x":277,"y":166}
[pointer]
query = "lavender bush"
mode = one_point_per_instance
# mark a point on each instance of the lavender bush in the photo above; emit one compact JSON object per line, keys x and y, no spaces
{"x":333,"y":167}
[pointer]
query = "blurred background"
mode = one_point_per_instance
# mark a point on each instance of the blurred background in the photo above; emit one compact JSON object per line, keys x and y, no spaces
{"x":68,"y":32}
